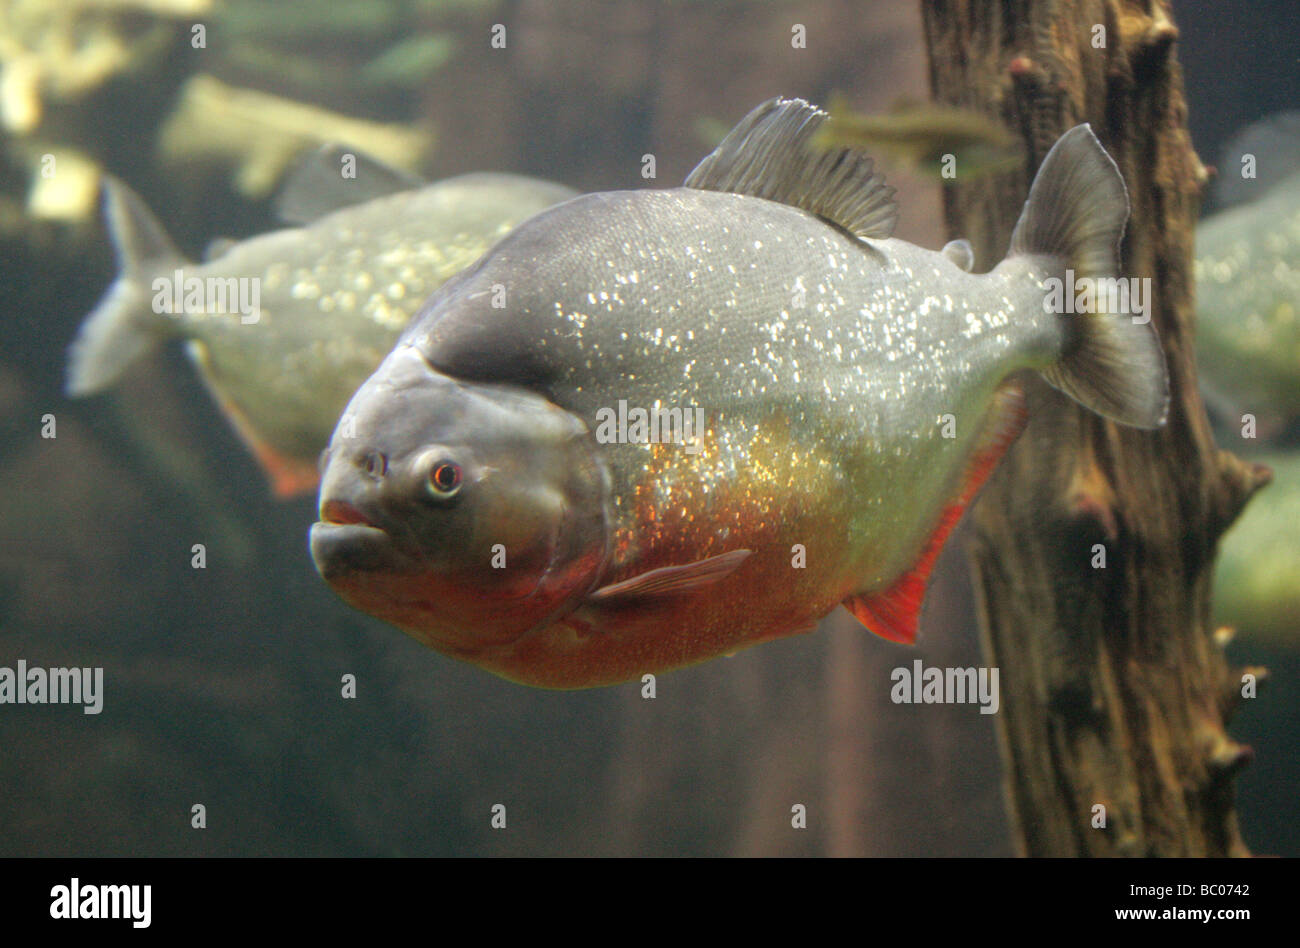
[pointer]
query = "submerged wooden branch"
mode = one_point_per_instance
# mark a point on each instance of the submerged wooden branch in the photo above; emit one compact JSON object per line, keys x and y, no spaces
{"x":1114,"y":690}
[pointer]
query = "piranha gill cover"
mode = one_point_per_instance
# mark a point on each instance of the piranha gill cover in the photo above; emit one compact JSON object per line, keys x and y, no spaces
{"x":855,"y":390}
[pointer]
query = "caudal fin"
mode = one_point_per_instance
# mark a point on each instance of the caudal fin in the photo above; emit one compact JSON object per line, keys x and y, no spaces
{"x":123,"y":327}
{"x":1076,"y":212}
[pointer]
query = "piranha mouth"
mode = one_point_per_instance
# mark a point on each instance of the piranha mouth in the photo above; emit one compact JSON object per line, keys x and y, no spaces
{"x":341,"y":513}
{"x":345,"y":541}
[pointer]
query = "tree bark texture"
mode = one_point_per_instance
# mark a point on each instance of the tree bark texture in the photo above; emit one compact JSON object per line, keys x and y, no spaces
{"x":1115,"y":691}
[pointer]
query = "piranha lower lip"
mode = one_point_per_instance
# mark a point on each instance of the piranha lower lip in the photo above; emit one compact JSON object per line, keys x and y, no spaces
{"x":340,"y":548}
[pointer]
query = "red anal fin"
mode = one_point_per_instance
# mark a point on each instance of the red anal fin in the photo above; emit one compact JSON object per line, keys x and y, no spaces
{"x":289,"y":476}
{"x":894,"y":613}
{"x":671,"y":580}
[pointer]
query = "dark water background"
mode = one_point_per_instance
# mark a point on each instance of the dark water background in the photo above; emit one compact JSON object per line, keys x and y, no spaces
{"x":223,"y":684}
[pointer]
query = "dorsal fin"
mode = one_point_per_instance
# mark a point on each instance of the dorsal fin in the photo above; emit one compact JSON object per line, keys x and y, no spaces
{"x":218,"y":247}
{"x":316,"y":187}
{"x":768,"y":156}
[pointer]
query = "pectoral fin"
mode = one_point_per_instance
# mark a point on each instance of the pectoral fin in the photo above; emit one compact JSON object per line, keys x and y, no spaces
{"x":673,"y":580}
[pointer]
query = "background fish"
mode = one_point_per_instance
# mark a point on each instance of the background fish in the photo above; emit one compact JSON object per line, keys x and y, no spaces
{"x":1248,"y":349}
{"x":853,"y":388}
{"x":922,"y":134}
{"x":1257,"y":571}
{"x":1248,"y":281}
{"x":259,"y":135}
{"x":333,"y":295}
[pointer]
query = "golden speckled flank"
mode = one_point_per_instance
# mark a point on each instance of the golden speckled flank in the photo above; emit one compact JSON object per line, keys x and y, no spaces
{"x":747,"y":487}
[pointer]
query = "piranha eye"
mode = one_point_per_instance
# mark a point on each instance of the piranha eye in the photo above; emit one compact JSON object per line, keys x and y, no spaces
{"x":375,"y":464}
{"x":444,"y":478}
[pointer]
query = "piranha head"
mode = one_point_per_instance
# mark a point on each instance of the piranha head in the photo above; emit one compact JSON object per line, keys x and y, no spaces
{"x":464,"y":513}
